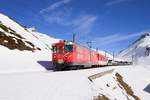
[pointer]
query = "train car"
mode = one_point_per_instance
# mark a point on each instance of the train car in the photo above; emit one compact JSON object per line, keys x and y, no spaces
{"x":69,"y":55}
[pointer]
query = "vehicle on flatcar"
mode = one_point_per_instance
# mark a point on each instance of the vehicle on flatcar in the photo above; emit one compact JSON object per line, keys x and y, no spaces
{"x":70,"y":55}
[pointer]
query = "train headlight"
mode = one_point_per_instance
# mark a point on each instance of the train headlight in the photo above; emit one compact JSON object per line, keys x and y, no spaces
{"x":60,"y":61}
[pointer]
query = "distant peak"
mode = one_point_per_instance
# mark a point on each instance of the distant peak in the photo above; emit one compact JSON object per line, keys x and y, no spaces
{"x":145,"y":34}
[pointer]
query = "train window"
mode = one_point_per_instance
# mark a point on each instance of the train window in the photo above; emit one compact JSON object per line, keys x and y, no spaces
{"x":69,"y":48}
{"x":54,"y":49}
{"x":60,"y":50}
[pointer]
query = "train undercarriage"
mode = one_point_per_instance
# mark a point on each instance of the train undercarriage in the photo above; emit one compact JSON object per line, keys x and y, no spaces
{"x":63,"y":67}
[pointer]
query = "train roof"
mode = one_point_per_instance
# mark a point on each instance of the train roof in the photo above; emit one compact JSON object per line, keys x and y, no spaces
{"x":70,"y":43}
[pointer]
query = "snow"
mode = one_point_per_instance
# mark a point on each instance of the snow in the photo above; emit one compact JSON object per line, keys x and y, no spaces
{"x":138,"y":77}
{"x":42,"y":41}
{"x":25,"y":61}
{"x":24,"y":76}
{"x":137,"y":50}
{"x":144,"y":61}
{"x":16,"y":61}
{"x":141,"y":74}
{"x":113,"y":91}
{"x":45,"y":86}
{"x":72,"y":85}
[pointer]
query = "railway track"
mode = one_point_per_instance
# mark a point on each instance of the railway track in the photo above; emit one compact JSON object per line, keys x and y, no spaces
{"x":80,"y":68}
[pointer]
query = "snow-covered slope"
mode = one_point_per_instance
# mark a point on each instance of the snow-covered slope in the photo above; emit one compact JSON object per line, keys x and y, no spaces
{"x":139,"y":49}
{"x":75,"y":85}
{"x":22,"y":49}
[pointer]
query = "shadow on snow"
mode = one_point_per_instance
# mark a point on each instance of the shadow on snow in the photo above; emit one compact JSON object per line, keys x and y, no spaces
{"x":147,"y":88}
{"x":48,"y":65}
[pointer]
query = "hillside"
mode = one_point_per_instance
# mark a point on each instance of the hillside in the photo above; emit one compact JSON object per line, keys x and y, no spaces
{"x":138,"y":50}
{"x":23,"y":46}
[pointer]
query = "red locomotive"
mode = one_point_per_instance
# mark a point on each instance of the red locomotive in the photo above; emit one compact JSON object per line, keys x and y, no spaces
{"x":69,"y":55}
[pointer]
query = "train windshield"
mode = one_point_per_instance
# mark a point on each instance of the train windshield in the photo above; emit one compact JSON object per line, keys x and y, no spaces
{"x":69,"y":48}
{"x":54,"y":49}
{"x":60,"y":50}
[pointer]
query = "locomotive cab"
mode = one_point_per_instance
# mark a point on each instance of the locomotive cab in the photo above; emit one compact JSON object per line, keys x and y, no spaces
{"x":62,"y":53}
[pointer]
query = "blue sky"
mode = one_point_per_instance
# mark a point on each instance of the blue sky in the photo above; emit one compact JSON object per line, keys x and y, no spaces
{"x":111,"y":25}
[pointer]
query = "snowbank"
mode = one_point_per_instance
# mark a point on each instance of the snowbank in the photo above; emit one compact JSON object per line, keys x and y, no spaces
{"x":45,"y":86}
{"x":74,"y":85}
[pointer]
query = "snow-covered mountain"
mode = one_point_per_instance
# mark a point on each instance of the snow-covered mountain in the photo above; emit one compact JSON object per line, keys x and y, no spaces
{"x":26,"y":50}
{"x":22,"y":46}
{"x":16,"y":36}
{"x":140,"y":49}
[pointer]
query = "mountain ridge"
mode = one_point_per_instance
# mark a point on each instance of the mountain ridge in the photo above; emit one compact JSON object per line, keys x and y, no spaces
{"x":139,"y":48}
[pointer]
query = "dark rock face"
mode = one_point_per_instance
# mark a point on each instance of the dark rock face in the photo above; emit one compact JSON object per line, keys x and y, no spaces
{"x":15,"y":41}
{"x":147,"y":52}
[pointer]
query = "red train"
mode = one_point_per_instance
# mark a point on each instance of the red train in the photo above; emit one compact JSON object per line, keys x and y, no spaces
{"x":69,"y":55}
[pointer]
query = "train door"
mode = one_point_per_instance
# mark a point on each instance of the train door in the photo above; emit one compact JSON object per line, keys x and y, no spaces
{"x":79,"y":55}
{"x":89,"y":57}
{"x":60,"y":51}
{"x":98,"y":59}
